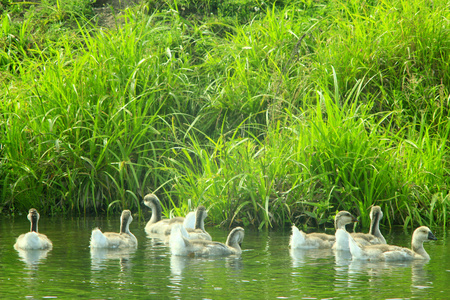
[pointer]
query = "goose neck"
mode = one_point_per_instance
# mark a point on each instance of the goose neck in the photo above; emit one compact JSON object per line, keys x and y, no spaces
{"x":418,"y":248}
{"x":156,"y":211}
{"x":234,"y":238}
{"x":34,"y":218}
{"x":200,"y":220}
{"x":124,"y":225}
{"x":339,"y":224}
{"x":375,"y":225}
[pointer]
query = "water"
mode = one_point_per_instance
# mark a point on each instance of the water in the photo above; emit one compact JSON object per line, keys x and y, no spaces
{"x":267,"y":268}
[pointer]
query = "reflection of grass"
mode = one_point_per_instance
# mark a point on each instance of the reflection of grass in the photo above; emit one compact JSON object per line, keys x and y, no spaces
{"x":278,"y":115}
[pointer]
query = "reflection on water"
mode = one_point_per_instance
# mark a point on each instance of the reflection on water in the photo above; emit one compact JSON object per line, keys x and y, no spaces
{"x":112,"y":265}
{"x":194,"y":272}
{"x":267,"y":268}
{"x":158,"y":239}
{"x":32,"y":257}
{"x":99,"y":257}
{"x":177,"y":264}
{"x":302,"y":256}
{"x":342,"y":258}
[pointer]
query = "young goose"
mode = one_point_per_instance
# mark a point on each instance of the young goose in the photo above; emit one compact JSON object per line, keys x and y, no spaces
{"x":374,"y":236}
{"x":123,"y":239}
{"x":157,"y":225}
{"x":385,"y":252}
{"x":33,"y":240}
{"x":189,"y":222}
{"x":199,"y":231}
{"x":342,"y":218}
{"x":181,"y":245}
{"x":314,"y":240}
{"x":301,"y":240}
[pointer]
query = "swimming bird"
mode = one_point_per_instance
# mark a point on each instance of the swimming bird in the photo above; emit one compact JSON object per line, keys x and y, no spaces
{"x":196,"y":232}
{"x":199,"y":231}
{"x":316,"y":240}
{"x":385,"y":252}
{"x":374,"y":236}
{"x":123,"y":239}
{"x":342,"y":218}
{"x":33,"y":240}
{"x":157,"y":225}
{"x":181,"y":245}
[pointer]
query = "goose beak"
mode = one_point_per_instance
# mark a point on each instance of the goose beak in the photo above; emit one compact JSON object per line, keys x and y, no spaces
{"x":355,"y":220}
{"x":431,"y":236}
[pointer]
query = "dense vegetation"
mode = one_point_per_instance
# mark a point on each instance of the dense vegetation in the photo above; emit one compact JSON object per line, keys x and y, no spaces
{"x":268,"y":113}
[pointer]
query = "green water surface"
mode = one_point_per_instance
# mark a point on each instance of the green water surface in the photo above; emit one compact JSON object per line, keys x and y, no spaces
{"x":267,"y":268}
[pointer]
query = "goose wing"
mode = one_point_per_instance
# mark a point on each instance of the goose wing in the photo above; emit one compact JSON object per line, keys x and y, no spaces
{"x":119,"y":240}
{"x":366,"y":238}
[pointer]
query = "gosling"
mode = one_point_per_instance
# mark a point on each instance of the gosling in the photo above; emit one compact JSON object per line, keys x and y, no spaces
{"x":385,"y":252}
{"x":181,"y":245}
{"x":123,"y":239}
{"x":33,"y":240}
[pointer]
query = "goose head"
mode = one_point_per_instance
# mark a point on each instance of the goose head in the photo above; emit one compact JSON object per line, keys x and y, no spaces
{"x":376,"y":213}
{"x":151,"y":200}
{"x":343,"y":218}
{"x":33,"y":217}
{"x":235,"y":238}
{"x":420,"y":235}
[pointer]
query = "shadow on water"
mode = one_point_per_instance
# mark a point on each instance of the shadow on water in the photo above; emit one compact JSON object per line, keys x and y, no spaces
{"x":267,"y":268}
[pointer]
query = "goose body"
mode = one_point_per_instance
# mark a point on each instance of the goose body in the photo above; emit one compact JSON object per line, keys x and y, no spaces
{"x":189,"y":220}
{"x":374,"y":236}
{"x":301,"y":240}
{"x":384,"y":252}
{"x":181,"y":245}
{"x":315,"y":240}
{"x":122,"y":239}
{"x":33,"y":240}
{"x":199,"y":232}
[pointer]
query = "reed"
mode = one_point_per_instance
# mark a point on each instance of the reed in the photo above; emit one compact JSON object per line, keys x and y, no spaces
{"x":270,"y":116}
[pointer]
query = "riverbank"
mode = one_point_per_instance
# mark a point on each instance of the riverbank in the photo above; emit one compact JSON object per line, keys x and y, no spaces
{"x":266,"y":113}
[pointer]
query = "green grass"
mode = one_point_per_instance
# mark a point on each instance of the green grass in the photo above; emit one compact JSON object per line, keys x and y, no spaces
{"x":266,"y":113}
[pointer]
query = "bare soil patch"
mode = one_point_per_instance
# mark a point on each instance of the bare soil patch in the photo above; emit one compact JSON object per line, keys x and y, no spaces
{"x":107,"y":9}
